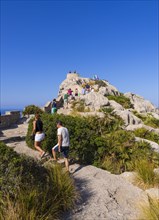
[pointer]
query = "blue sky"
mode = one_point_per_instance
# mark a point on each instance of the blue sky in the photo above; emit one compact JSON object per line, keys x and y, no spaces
{"x":42,"y":40}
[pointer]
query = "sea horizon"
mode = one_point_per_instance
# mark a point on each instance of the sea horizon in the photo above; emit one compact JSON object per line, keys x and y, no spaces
{"x":5,"y":109}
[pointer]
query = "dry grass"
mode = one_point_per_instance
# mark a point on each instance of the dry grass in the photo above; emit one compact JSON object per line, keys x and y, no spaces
{"x":30,"y":204}
{"x":146,"y":177}
{"x":150,"y":211}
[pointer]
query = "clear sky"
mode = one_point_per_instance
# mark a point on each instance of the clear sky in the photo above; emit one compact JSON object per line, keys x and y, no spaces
{"x":42,"y":40}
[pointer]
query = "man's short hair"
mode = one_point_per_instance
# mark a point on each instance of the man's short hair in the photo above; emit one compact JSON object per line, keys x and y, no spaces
{"x":59,"y":122}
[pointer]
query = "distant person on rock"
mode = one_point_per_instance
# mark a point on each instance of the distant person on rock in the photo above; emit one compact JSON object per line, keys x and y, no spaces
{"x":69,"y":91}
{"x":39,"y":134}
{"x":65,"y":98}
{"x":54,"y":106}
{"x":76,"y":92}
{"x":63,"y":143}
{"x":83,"y":91}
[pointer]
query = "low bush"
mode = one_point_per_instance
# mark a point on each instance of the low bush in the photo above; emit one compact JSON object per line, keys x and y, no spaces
{"x":83,"y":132}
{"x":95,"y":140}
{"x":148,"y":120}
{"x":122,"y":100}
{"x":100,"y":83}
{"x":79,"y":106}
{"x":146,"y":134}
{"x":30,"y":191}
{"x":118,"y":152}
{"x":32,"y":109}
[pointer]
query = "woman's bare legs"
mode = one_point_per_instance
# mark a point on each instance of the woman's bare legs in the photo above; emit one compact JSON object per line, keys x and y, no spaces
{"x":37,"y":146}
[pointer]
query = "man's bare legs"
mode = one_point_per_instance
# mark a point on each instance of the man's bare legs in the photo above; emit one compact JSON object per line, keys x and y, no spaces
{"x":54,"y":154}
{"x":66,"y":164}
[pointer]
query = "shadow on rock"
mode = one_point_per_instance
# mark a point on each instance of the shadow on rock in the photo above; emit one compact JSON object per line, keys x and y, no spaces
{"x":84,"y":195}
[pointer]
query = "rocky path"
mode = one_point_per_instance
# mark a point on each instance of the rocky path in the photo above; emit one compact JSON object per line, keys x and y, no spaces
{"x":103,"y":196}
{"x":14,"y":137}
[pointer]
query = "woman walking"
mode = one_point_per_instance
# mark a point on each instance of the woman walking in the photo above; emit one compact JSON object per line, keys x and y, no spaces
{"x":39,"y":134}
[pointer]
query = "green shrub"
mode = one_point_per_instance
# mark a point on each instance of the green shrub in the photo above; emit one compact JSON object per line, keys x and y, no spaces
{"x":119,"y":151}
{"x":83,"y":132}
{"x":29,"y":190}
{"x":79,"y":106}
{"x":146,"y":134}
{"x":32,"y":109}
{"x":122,"y":100}
{"x":94,"y":139}
{"x":100,"y":83}
{"x":148,"y":120}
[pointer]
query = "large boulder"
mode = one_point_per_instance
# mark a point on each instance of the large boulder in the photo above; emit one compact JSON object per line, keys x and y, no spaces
{"x":95,"y":100}
{"x":109,"y":90}
{"x":116,"y":105}
{"x":128,"y":117}
{"x":140,"y":104}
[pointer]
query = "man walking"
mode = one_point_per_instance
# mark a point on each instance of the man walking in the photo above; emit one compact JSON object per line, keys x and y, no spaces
{"x":63,"y":143}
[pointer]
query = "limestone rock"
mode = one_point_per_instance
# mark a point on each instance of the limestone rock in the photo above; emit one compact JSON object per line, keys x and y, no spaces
{"x":95,"y":101}
{"x":154,"y":145}
{"x":105,"y":196}
{"x":153,"y":193}
{"x":109,"y":90}
{"x":128,"y":117}
{"x":116,"y":105}
{"x":129,"y":176}
{"x":134,"y":127}
{"x":140,"y":104}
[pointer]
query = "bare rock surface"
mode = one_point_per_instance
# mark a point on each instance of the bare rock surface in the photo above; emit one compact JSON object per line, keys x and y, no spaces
{"x":140,"y":104}
{"x":95,"y":101}
{"x":104,"y":196}
{"x":128,"y":117}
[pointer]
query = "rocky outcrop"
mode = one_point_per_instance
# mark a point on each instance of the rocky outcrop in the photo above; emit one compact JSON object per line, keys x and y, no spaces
{"x":105,"y":196}
{"x":115,"y":105}
{"x":140,"y":104}
{"x":128,"y":117}
{"x":108,"y":90}
{"x":137,"y":126}
{"x":95,"y":101}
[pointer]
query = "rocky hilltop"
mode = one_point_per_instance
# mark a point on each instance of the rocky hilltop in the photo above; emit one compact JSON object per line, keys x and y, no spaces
{"x":94,"y":95}
{"x":98,"y":95}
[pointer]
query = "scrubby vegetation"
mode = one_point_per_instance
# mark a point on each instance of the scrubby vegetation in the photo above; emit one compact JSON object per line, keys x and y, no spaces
{"x":150,"y":211}
{"x":98,"y":141}
{"x":32,"y":109}
{"x":146,"y":177}
{"x":146,"y":134}
{"x":100,"y":83}
{"x":30,"y":191}
{"x":122,"y":100}
{"x":148,"y":120}
{"x":79,"y":106}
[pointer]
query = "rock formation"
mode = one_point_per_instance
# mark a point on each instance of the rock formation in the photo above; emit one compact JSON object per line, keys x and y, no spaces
{"x":96,"y":97}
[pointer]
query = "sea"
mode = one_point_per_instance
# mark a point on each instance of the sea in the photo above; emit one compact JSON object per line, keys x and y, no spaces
{"x":3,"y":110}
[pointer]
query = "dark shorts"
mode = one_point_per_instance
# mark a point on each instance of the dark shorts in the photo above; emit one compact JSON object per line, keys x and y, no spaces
{"x":64,"y":150}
